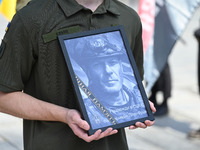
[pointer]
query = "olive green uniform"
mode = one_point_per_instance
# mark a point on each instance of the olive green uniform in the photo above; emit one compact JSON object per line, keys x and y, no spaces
{"x":31,"y":60}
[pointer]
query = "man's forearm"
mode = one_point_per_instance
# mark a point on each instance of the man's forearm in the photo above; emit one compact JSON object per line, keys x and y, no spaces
{"x":25,"y":106}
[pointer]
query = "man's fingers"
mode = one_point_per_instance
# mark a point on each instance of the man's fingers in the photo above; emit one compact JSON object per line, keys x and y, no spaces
{"x":84,"y":125}
{"x":81,"y":123}
{"x":149,"y":123}
{"x":113,"y":132}
{"x":145,"y":124}
{"x":140,"y":124}
{"x":152,"y":106}
{"x":95,"y":136}
{"x":107,"y":132}
{"x":132,"y":127}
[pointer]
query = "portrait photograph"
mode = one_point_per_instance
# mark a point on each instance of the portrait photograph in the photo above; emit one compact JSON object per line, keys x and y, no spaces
{"x":105,"y":78}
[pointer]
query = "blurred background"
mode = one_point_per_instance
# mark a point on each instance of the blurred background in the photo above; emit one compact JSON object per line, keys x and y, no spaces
{"x":181,"y":113}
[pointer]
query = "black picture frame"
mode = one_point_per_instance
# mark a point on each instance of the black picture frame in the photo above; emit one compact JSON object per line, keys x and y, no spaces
{"x":105,"y":78}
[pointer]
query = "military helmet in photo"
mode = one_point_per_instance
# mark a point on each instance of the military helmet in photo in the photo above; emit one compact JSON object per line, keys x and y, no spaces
{"x":97,"y":47}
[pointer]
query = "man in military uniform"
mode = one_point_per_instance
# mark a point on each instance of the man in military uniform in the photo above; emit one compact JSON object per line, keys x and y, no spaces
{"x":31,"y":60}
{"x":116,"y":90}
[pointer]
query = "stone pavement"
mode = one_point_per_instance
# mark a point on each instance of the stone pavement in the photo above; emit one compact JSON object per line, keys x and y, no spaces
{"x":170,"y":131}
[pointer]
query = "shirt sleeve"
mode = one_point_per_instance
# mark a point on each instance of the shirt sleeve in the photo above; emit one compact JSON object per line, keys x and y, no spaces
{"x":16,"y":57}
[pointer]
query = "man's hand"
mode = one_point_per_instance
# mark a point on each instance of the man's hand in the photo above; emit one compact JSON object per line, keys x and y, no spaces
{"x":147,"y":122}
{"x":80,"y":127}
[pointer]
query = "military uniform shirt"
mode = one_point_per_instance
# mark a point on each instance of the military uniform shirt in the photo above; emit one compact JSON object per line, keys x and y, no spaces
{"x":31,"y":60}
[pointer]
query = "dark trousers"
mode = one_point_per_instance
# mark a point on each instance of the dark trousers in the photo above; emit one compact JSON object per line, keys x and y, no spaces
{"x":163,"y":84}
{"x":197,"y":35}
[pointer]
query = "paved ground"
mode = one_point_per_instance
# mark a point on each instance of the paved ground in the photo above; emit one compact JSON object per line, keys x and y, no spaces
{"x":170,"y":131}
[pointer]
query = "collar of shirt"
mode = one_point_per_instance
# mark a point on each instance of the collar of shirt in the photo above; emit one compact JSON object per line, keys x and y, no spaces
{"x":71,"y":7}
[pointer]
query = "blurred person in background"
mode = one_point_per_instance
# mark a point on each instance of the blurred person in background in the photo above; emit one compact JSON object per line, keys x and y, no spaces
{"x":162,"y":85}
{"x":196,"y":133}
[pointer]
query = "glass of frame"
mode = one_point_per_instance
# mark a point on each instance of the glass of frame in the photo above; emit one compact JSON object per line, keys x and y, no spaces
{"x":105,"y":78}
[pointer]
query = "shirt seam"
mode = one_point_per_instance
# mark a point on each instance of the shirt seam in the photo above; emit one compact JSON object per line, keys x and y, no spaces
{"x":10,"y":87}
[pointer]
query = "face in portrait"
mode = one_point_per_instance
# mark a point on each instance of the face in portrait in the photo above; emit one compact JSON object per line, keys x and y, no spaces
{"x":106,"y":74}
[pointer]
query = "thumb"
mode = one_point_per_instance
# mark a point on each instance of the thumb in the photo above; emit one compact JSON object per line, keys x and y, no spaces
{"x":81,"y":123}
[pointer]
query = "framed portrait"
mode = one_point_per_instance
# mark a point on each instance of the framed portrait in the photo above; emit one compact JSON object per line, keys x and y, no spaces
{"x":105,"y":78}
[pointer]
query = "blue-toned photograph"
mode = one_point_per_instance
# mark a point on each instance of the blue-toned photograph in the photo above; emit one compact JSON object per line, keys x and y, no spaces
{"x":106,"y":79}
